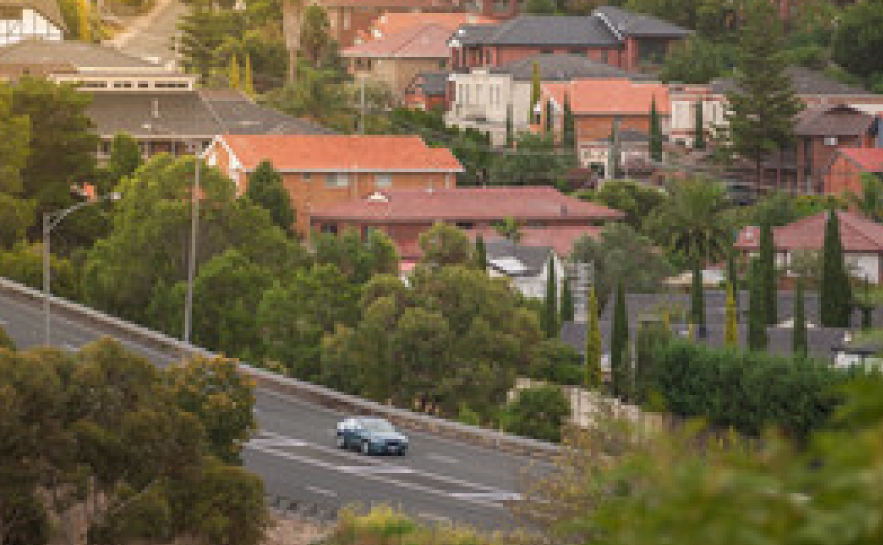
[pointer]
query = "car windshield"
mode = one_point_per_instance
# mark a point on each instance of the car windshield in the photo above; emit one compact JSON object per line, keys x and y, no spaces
{"x":377,"y":425}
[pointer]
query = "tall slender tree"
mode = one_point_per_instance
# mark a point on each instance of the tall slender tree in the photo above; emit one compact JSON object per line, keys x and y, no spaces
{"x":480,"y":254}
{"x":697,"y":297}
{"x":568,"y":127}
{"x":798,"y":336}
{"x":550,"y":120}
{"x":84,"y":21}
{"x":535,"y":91}
{"x":594,"y":346}
{"x":835,"y":294}
{"x":733,"y":277}
{"x":655,"y":132}
{"x":566,"y":312}
{"x":698,"y":127}
{"x":731,"y":331}
{"x":619,"y":340}
{"x":549,"y":316}
{"x":248,"y":85}
{"x":767,"y":256}
{"x":757,"y":322}
{"x":233,"y":79}
{"x":614,"y":153}
{"x":510,"y":135}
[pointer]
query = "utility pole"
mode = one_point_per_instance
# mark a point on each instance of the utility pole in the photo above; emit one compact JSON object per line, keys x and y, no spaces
{"x":191,"y":265}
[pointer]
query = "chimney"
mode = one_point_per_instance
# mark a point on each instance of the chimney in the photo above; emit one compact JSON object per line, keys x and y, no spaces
{"x":155,"y":109}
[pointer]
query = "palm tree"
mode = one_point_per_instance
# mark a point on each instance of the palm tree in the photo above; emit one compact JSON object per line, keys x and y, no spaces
{"x":870,"y":202}
{"x":690,"y":223}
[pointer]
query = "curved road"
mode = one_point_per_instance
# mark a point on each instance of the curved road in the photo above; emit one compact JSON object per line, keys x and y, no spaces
{"x":439,"y":480}
{"x":150,"y":36}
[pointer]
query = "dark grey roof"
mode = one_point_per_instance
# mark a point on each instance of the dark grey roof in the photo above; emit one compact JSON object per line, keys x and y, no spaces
{"x":473,"y":34}
{"x":72,"y":53}
{"x":188,"y":114}
{"x":638,"y":25}
{"x":539,"y":30}
{"x":433,"y":83}
{"x":47,"y":8}
{"x":839,"y":120}
{"x":804,"y":82}
{"x":564,"y":68}
{"x":533,"y":258}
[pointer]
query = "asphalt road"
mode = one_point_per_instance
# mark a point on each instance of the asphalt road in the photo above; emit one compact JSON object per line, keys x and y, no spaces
{"x":151,"y":36}
{"x":439,"y":479}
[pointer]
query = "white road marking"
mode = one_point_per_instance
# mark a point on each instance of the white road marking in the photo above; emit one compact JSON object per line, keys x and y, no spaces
{"x":390,"y":470}
{"x":321,"y":491}
{"x":491,"y":496}
{"x":433,"y":517}
{"x":275,"y":442}
{"x":442,"y":458}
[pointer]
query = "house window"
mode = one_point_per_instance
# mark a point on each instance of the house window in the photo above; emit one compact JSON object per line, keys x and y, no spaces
{"x":443,"y":64}
{"x":382,"y":180}
{"x":830,"y":140}
{"x":465,"y":225}
{"x":329,"y":228}
{"x":337,"y":180}
{"x":546,"y":51}
{"x":576,"y":51}
{"x":306,"y":177}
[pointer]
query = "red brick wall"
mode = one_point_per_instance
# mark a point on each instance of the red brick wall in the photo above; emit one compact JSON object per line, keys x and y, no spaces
{"x":593,"y":127}
{"x":842,"y":176}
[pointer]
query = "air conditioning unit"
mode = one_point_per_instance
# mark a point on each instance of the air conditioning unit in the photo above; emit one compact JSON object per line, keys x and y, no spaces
{"x":830,"y":140}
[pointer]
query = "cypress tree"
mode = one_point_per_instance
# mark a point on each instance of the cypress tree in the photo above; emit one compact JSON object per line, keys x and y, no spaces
{"x":84,"y":21}
{"x":655,"y":132}
{"x":697,"y":297}
{"x":768,"y":264}
{"x":594,"y":348}
{"x":798,"y":339}
{"x":534,"y":89}
{"x":731,"y":333}
{"x":757,"y":322}
{"x":248,"y":86}
{"x":567,"y":310}
{"x":233,"y":73}
{"x":568,"y":125}
{"x":480,"y":254}
{"x":619,"y":340}
{"x":550,"y":304}
{"x":835,"y":297}
{"x":699,"y":128}
{"x":550,"y":125}
{"x":733,"y":278}
{"x":510,"y":136}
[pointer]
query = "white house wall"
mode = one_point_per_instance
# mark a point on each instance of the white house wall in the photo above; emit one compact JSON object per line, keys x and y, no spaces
{"x":31,"y":25}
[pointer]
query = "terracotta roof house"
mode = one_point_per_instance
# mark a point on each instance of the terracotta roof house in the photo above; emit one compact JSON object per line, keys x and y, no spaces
{"x":844,"y":172}
{"x":610,"y":35}
{"x":404,"y":214}
{"x":393,"y":22}
{"x":427,"y":91}
{"x":321,"y":171}
{"x":397,"y":58}
{"x":560,"y":238}
{"x":862,"y":241}
{"x":482,"y":96}
{"x":30,"y":19}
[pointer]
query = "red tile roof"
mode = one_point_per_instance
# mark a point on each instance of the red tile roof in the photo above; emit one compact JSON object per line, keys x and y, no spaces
{"x":429,"y":41}
{"x":465,"y":204}
{"x":857,"y":234}
{"x":559,"y":237}
{"x":393,"y":4}
{"x":341,"y":153}
{"x":868,"y":159}
{"x":609,"y":96}
{"x":391,"y":23}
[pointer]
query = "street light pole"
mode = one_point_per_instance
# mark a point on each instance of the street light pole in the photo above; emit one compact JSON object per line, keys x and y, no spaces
{"x":191,"y":265}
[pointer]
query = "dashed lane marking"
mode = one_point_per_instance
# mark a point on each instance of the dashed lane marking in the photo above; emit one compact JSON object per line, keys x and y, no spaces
{"x":321,"y":491}
{"x":442,"y":458}
{"x":489,"y":496}
{"x":387,"y":470}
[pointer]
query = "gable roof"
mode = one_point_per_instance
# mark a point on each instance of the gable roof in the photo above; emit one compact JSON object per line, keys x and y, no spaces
{"x":392,"y":22}
{"x":840,"y":120}
{"x":559,"y":237}
{"x":868,"y":159}
{"x":238,"y":114}
{"x":341,"y":153}
{"x":431,"y":83}
{"x":804,"y":81}
{"x":429,"y":41}
{"x":563,"y":68}
{"x":639,"y":25}
{"x":467,"y":204}
{"x":467,"y":35}
{"x":609,"y":96}
{"x":516,"y":259}
{"x":76,"y":54}
{"x":564,"y":30}
{"x":47,"y":8}
{"x":857,"y":234}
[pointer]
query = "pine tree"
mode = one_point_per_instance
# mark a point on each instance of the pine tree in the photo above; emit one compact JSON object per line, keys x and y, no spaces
{"x":733,"y":278}
{"x":248,"y":86}
{"x":549,"y":316}
{"x":480,"y":254}
{"x":534,"y":90}
{"x":768,"y":263}
{"x":699,"y":128}
{"x":619,"y":340}
{"x":697,"y":297}
{"x":566,"y":311}
{"x":594,"y":348}
{"x":614,"y":154}
{"x":798,"y":339}
{"x":510,"y":135}
{"x":762,"y":105}
{"x":568,"y":128}
{"x":655,"y":132}
{"x":757,"y":322}
{"x":731,"y":333}
{"x":233,"y":73}
{"x":549,"y":120}
{"x":84,"y":21}
{"x":835,"y":293}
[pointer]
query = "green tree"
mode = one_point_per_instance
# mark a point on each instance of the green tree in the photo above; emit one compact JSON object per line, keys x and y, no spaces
{"x":15,"y":138}
{"x":550,"y":122}
{"x":767,"y":257}
{"x":870,"y":201}
{"x":24,"y":264}
{"x":566,"y":313}
{"x":549,"y":316}
{"x":634,"y":199}
{"x":594,"y":346}
{"x":62,"y":142}
{"x":835,"y":292}
{"x":757,"y":312}
{"x":84,"y":25}
{"x":315,"y":37}
{"x":539,"y":413}
{"x":697,"y":60}
{"x":762,"y":106}
{"x":698,"y":127}
{"x":265,"y":189}
{"x":318,"y":95}
{"x":655,"y":132}
{"x":125,"y":156}
{"x":620,"y":366}
{"x":540,"y":7}
{"x":357,"y":259}
{"x":248,"y":80}
{"x":201,"y":35}
{"x":534,"y":161}
{"x":733,"y":278}
{"x":568,"y":126}
{"x":731,"y":331}
{"x":535,"y":90}
{"x":697,"y":296}
{"x":857,"y":40}
{"x":480,"y":253}
{"x":6,"y":340}
{"x":510,"y":229}
{"x":798,"y":338}
{"x":18,"y":216}
{"x":444,"y":245}
{"x":233,"y":78}
{"x":510,"y":135}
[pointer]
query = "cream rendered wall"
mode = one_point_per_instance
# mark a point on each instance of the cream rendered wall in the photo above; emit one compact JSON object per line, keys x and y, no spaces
{"x":31,"y":25}
{"x":482,"y":99}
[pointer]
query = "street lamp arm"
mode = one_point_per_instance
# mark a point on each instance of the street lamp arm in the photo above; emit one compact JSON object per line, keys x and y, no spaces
{"x":54,"y":218}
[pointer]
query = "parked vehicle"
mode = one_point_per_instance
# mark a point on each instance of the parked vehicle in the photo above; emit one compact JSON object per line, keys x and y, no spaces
{"x":371,"y":436}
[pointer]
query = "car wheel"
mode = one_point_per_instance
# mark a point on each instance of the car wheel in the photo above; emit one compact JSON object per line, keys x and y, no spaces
{"x":403,"y":451}
{"x":366,"y":447}
{"x":341,"y":441}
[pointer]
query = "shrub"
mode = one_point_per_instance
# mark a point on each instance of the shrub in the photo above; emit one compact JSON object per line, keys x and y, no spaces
{"x":539,"y":413}
{"x":554,"y":361}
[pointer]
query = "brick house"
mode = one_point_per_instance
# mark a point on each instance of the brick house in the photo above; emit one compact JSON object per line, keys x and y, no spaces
{"x":843,"y":173}
{"x":323,"y":170}
{"x":405,"y":213}
{"x":427,"y":91}
{"x":481,"y":97}
{"x":596,"y":104}
{"x":397,"y":58}
{"x":393,"y":22}
{"x":611,"y":35}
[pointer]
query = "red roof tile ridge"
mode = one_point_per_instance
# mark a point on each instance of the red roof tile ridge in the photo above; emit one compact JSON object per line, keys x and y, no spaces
{"x":860,"y":226}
